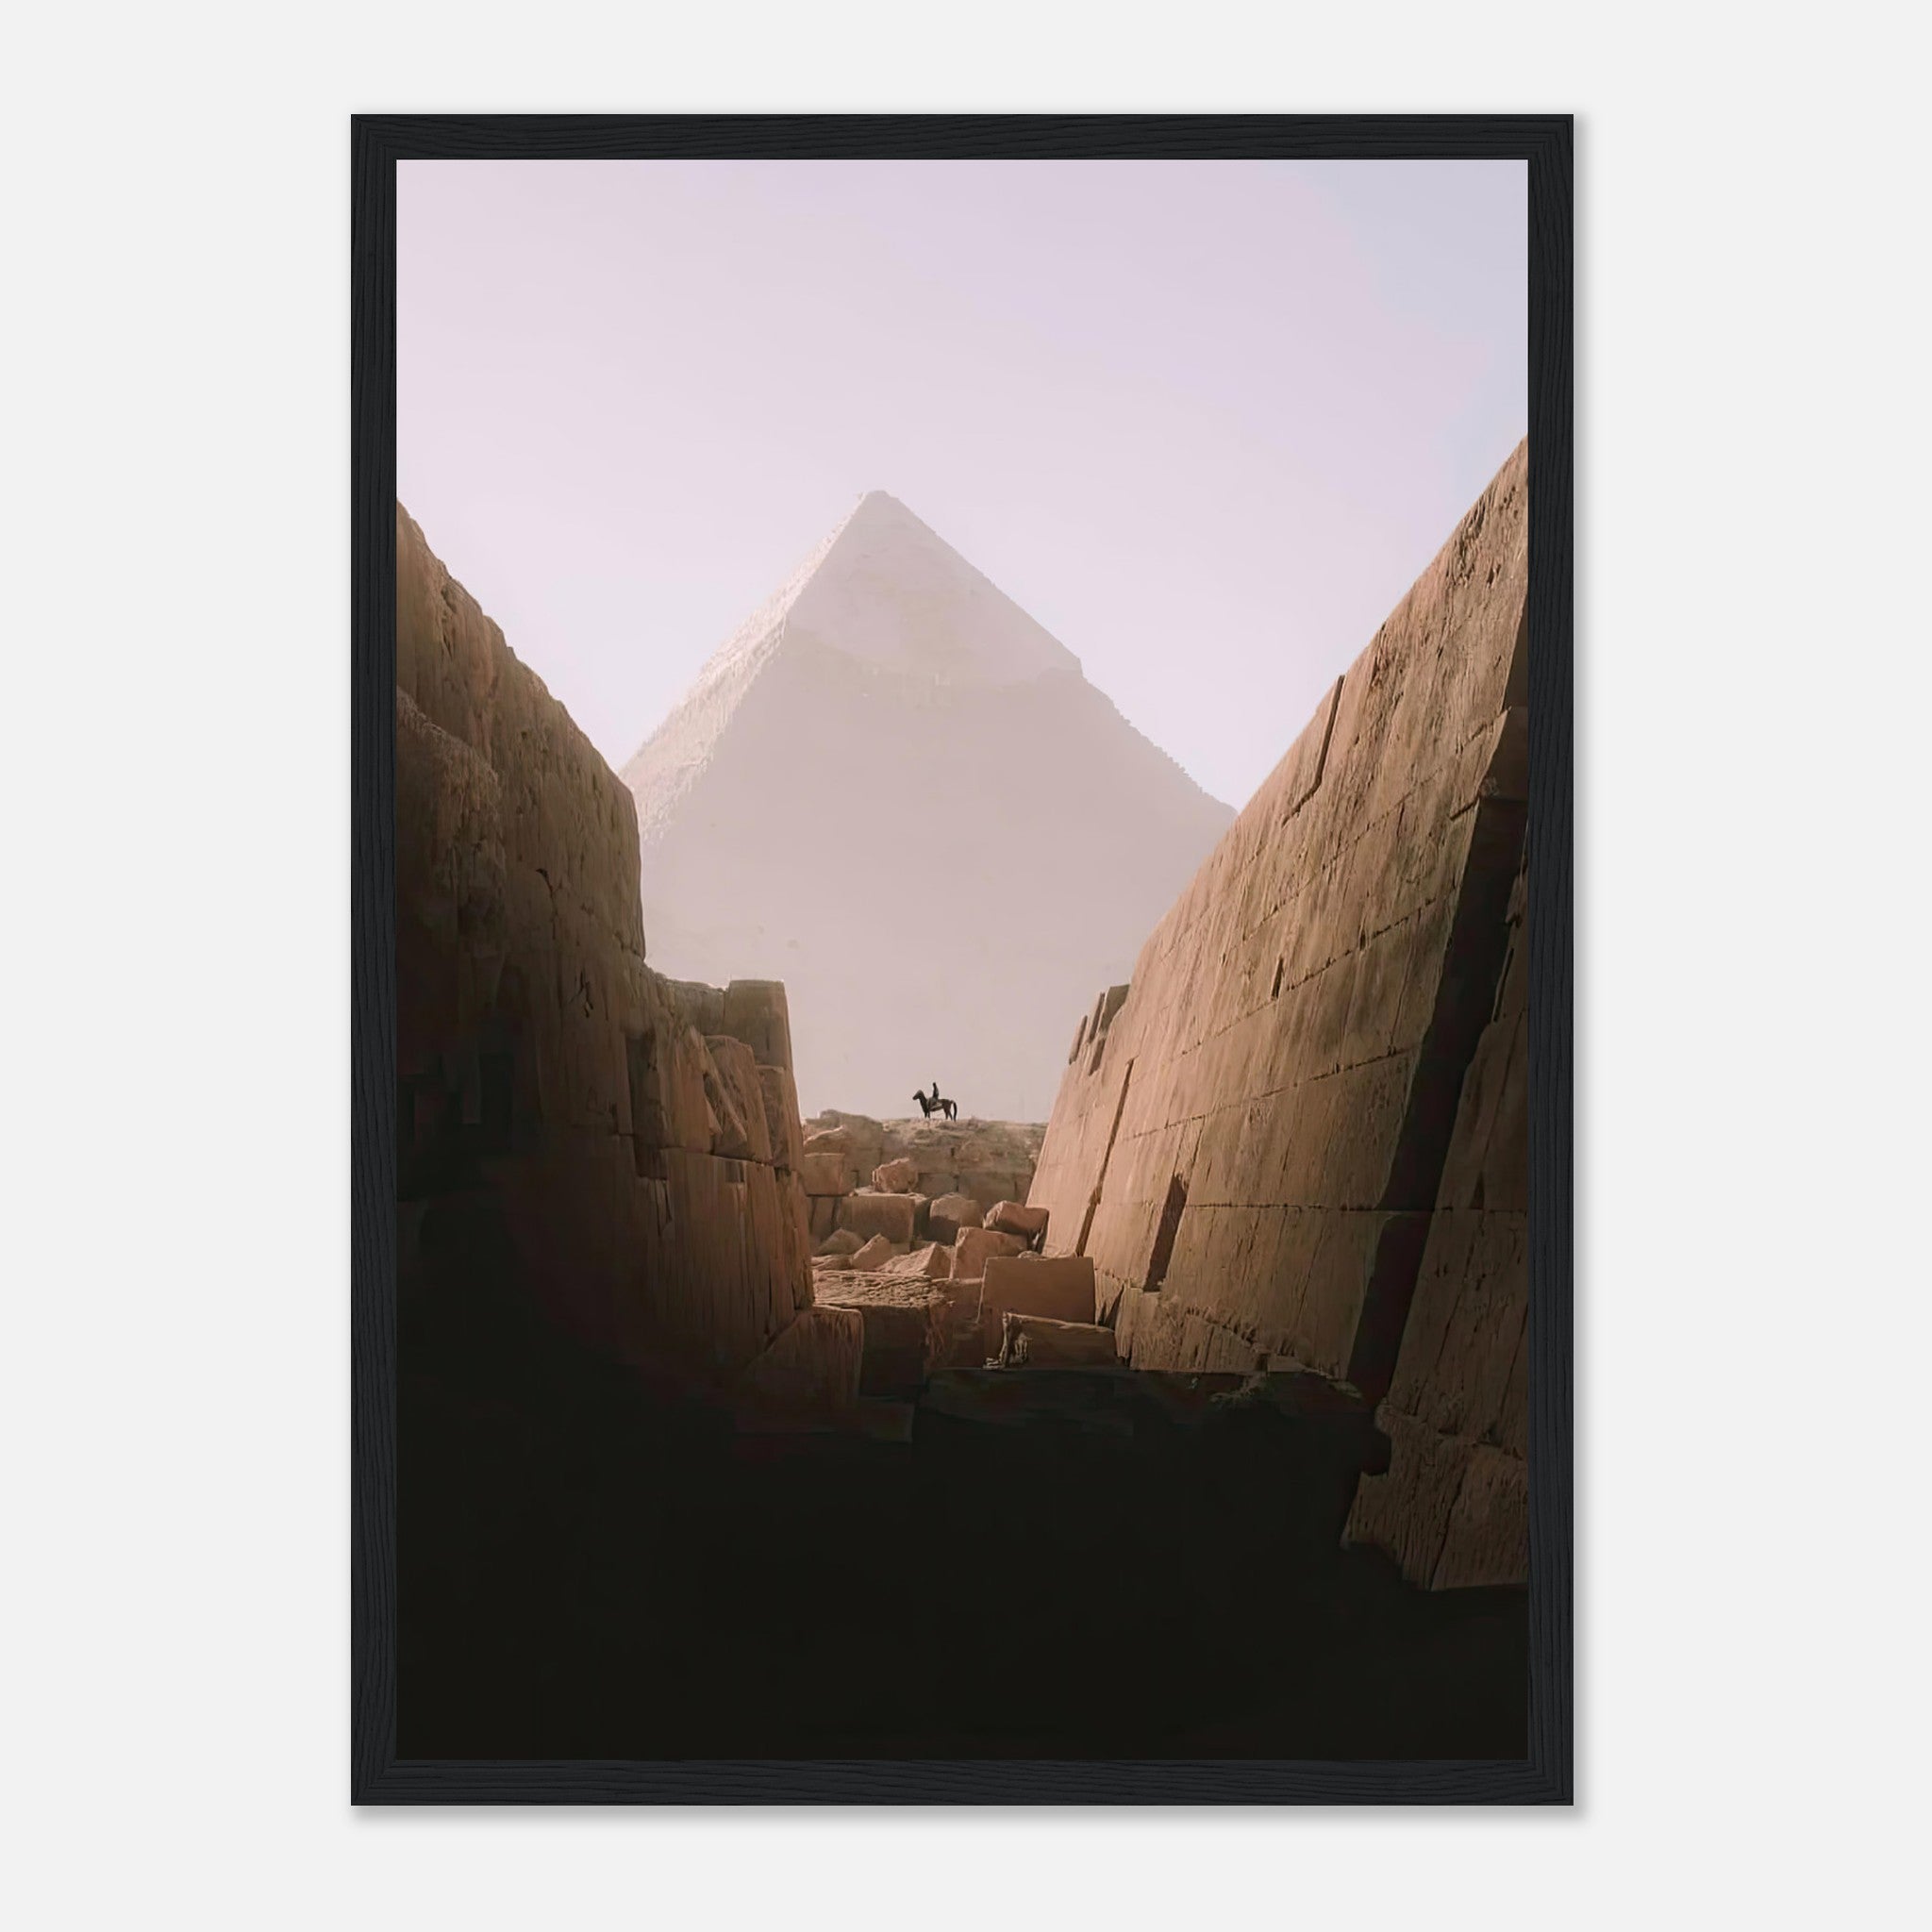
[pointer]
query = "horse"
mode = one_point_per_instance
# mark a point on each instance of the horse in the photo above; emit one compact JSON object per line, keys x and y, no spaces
{"x":930,"y":1104}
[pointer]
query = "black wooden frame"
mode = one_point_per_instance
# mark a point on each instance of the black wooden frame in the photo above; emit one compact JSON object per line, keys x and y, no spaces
{"x":377,"y":1774}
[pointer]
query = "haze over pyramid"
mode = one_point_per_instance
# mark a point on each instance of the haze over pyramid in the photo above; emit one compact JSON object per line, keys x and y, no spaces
{"x":896,"y":793}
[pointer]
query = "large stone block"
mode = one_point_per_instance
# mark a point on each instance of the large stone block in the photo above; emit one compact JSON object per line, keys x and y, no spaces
{"x":702,"y":1005}
{"x":825,"y":1172}
{"x":895,"y":1177}
{"x":1013,"y":1217}
{"x":874,"y":1254}
{"x":781,"y":1116}
{"x":949,"y":1213}
{"x":1487,"y":1537}
{"x":931,"y":1261}
{"x":742,"y":1130}
{"x":812,"y":1368}
{"x":856,"y":1136}
{"x":869,"y":1214}
{"x":905,"y":1332}
{"x":1405,"y":1511}
{"x":1452,"y":1506}
{"x":989,"y":1186}
{"x":1035,"y":1342}
{"x":975,"y":1246}
{"x":756,"y":1012}
{"x":795,"y":1257}
{"x":672,"y":1078}
{"x":1061,"y":1288}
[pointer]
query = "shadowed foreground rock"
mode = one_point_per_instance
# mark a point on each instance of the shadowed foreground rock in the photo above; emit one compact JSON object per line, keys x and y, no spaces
{"x":1042,"y":1563}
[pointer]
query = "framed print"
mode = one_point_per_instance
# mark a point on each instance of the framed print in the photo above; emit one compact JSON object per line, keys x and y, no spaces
{"x":963,"y":959}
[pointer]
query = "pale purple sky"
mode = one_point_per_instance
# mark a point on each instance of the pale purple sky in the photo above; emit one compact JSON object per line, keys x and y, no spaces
{"x":1205,"y":420}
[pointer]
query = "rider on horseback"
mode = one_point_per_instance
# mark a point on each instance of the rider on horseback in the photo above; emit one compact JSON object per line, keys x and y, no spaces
{"x":930,"y":1104}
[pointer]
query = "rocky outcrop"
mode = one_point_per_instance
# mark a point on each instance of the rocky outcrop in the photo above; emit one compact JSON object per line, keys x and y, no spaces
{"x":986,"y":1161}
{"x":1302,"y":1103}
{"x":889,"y":680}
{"x":967,"y":1286}
{"x":576,"y":1132}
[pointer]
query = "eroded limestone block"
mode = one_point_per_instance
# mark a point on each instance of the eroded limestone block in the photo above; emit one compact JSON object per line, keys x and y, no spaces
{"x":795,"y":1247}
{"x":1012,"y":1217}
{"x":861,"y":1139}
{"x":1059,"y":1287}
{"x":756,"y":1012}
{"x":1036,"y":1341}
{"x":781,"y":1116}
{"x":717,"y":1266}
{"x":841,"y":1241}
{"x":875,"y":1253}
{"x":1487,"y":1537}
{"x":975,"y":1246}
{"x":988,"y":1187}
{"x":812,"y":1366}
{"x":869,"y":1214}
{"x":895,"y":1177}
{"x":670,"y":1078}
{"x":822,"y":1174}
{"x":742,"y":1135}
{"x":702,"y":1005}
{"x":949,"y":1213}
{"x":931,"y":1261}
{"x":904,"y":1331}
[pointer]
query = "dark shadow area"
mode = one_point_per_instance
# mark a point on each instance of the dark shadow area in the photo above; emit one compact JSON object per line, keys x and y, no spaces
{"x":1022,"y":1563}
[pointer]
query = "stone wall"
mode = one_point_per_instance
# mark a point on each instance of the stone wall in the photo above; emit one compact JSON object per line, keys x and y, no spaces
{"x":1253,"y":1142}
{"x":574,"y":1129}
{"x":1454,"y":1506}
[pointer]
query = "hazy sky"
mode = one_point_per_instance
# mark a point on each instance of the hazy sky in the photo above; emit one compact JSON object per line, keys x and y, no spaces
{"x":1205,"y":420}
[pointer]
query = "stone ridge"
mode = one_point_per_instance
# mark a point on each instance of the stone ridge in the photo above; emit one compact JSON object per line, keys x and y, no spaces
{"x":1251,"y":1141}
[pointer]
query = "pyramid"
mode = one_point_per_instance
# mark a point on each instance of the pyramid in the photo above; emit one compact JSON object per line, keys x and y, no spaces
{"x":895,"y":791}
